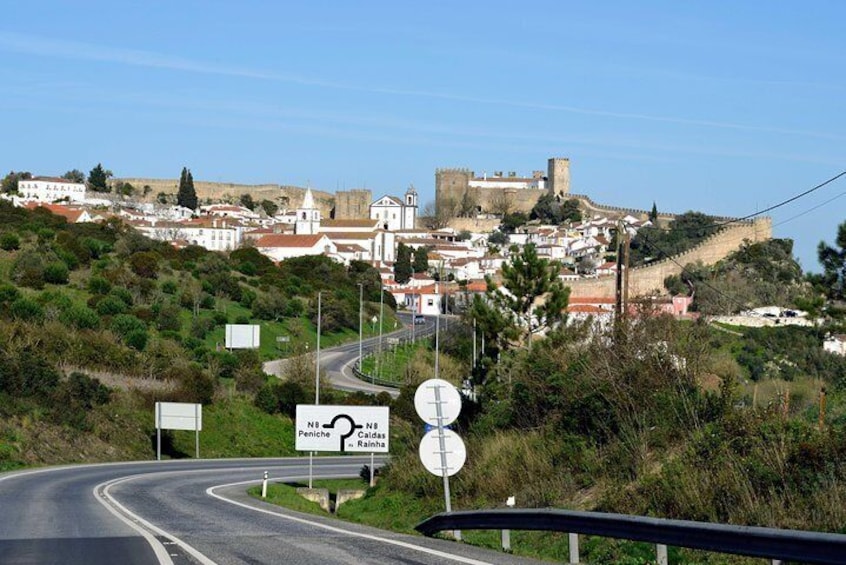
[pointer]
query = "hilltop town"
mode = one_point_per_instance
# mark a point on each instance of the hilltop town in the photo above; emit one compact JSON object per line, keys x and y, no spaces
{"x":467,"y":234}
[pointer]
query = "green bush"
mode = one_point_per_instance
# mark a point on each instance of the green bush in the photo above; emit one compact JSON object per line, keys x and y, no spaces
{"x":10,"y":241}
{"x":27,"y":309}
{"x":81,"y":317}
{"x":56,"y":273}
{"x":98,"y":285}
{"x":111,"y":306}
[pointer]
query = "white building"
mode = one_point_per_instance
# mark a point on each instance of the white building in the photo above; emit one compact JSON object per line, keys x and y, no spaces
{"x":835,"y":344}
{"x":395,"y":214}
{"x":279,"y":247}
{"x":210,"y":233}
{"x":50,"y":189}
{"x":308,"y":216}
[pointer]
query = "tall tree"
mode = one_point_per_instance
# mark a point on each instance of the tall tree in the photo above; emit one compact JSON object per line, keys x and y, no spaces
{"x":402,"y":266}
{"x":421,"y":260}
{"x":98,"y":179}
{"x":10,"y":181}
{"x":653,"y":214}
{"x":74,"y":175}
{"x":833,"y":260}
{"x":532,"y":298}
{"x":186,"y":196}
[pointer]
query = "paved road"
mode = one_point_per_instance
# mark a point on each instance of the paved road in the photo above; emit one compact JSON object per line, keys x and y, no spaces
{"x":337,"y":361}
{"x":180,"y":512}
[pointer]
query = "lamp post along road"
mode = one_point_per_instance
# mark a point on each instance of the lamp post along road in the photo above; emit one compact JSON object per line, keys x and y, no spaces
{"x":316,"y":382}
{"x":381,"y":324}
{"x":360,"y":321}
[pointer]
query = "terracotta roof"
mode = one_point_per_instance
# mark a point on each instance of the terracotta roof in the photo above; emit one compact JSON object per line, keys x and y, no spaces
{"x":586,"y":309}
{"x":349,"y":248}
{"x":289,"y":240}
{"x":349,"y":235}
{"x":359,"y":223}
{"x":53,"y":179}
{"x":592,"y":300}
{"x":70,"y":214}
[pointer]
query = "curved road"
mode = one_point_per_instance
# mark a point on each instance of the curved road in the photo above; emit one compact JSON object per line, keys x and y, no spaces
{"x":337,"y":361}
{"x":179,"y":512}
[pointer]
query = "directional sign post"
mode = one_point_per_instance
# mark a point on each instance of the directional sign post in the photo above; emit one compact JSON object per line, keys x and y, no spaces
{"x":442,"y":451}
{"x":348,"y":429}
{"x":178,"y":416}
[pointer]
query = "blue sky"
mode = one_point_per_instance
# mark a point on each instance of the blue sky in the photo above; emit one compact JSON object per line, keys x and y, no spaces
{"x":720,"y":107}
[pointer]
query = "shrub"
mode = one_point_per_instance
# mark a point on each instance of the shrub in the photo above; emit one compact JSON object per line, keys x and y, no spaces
{"x":81,"y":317}
{"x":136,"y":339}
{"x":110,"y":306}
{"x":8,"y":293}
{"x":10,"y":241}
{"x":168,"y":318}
{"x":145,"y":264}
{"x":27,"y":309}
{"x":28,"y":270}
{"x":99,"y":285}
{"x":56,"y":273}
{"x":125,"y":324}
{"x":169,"y":287}
{"x":123,"y":294}
{"x":220,"y":318}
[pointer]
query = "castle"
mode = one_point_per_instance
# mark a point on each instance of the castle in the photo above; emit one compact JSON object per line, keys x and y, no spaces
{"x":470,"y":195}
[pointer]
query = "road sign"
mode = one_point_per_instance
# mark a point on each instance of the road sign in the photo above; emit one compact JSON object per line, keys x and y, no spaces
{"x":430,"y":453}
{"x":178,"y":416}
{"x":243,"y":336}
{"x":362,"y":429}
{"x":433,"y":392}
{"x":283,"y":339}
{"x":393,"y":341}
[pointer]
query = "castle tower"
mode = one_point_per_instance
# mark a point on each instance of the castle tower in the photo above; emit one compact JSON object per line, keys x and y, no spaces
{"x":409,"y":209}
{"x":308,"y":216}
{"x":451,"y":184}
{"x":558,"y":175}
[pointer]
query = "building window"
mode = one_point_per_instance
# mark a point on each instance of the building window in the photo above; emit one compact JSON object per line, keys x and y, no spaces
{"x":430,"y":302}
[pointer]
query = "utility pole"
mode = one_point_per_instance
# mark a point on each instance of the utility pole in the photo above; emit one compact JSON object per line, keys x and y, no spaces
{"x":360,"y":321}
{"x":381,"y":322}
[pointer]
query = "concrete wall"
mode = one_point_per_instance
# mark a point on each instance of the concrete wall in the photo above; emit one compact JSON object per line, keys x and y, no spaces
{"x":649,"y":279}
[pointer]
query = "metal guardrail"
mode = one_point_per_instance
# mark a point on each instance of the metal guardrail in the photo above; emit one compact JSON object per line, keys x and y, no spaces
{"x":771,"y":543}
{"x":371,"y":379}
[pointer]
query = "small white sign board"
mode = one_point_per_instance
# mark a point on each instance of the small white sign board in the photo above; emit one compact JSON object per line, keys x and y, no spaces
{"x":434,"y":394}
{"x":178,"y":416}
{"x":243,"y":336}
{"x":453,"y":454}
{"x":361,"y":429}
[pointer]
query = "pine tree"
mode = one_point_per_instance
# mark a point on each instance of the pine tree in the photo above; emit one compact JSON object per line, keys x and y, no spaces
{"x":97,"y":179}
{"x":186,"y":196}
{"x":421,"y":260}
{"x":402,"y":266}
{"x":653,"y":215}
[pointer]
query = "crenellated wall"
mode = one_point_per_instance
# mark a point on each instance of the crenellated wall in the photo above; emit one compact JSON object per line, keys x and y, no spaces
{"x":649,"y":279}
{"x":286,"y":196}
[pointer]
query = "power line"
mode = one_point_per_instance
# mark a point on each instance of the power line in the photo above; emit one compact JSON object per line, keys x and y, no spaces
{"x":809,"y":210}
{"x":783,"y":202}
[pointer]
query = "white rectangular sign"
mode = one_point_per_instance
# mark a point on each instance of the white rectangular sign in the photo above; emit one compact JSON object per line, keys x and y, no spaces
{"x":362,"y":429}
{"x":179,"y":416}
{"x":243,"y":336}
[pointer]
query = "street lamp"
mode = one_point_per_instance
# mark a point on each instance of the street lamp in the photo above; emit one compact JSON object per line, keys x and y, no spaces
{"x":360,"y":320}
{"x":381,"y":319}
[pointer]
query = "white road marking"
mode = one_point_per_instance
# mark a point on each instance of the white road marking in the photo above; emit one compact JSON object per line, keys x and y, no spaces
{"x":371,"y":537}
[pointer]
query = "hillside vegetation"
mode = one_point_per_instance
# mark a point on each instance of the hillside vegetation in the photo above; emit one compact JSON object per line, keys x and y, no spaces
{"x":98,"y":323}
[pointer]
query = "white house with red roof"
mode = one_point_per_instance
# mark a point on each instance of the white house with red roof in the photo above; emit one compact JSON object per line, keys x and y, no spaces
{"x":279,"y":247}
{"x":50,"y":189}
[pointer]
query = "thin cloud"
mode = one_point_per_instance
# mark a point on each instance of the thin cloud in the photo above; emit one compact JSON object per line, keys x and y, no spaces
{"x":46,"y":47}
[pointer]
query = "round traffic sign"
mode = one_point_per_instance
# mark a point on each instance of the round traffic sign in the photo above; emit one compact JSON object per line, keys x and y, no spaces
{"x":437,"y":397}
{"x":430,"y":452}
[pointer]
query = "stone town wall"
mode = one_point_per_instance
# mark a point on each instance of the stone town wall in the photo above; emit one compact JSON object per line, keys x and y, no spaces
{"x":285,"y":196}
{"x":353,"y":204}
{"x":649,"y":279}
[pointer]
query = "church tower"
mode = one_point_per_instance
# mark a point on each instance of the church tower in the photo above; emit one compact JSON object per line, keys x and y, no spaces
{"x":308,"y":216}
{"x":409,"y":209}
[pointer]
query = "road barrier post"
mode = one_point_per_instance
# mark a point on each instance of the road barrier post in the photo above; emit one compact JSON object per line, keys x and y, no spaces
{"x":573,"y":540}
{"x":264,"y":486}
{"x":661,"y":554}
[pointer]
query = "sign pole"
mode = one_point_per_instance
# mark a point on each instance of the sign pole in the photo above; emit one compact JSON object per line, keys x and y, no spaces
{"x":372,"y":471}
{"x":316,"y":383}
{"x":442,"y":442}
{"x":158,"y":433}
{"x":196,"y":431}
